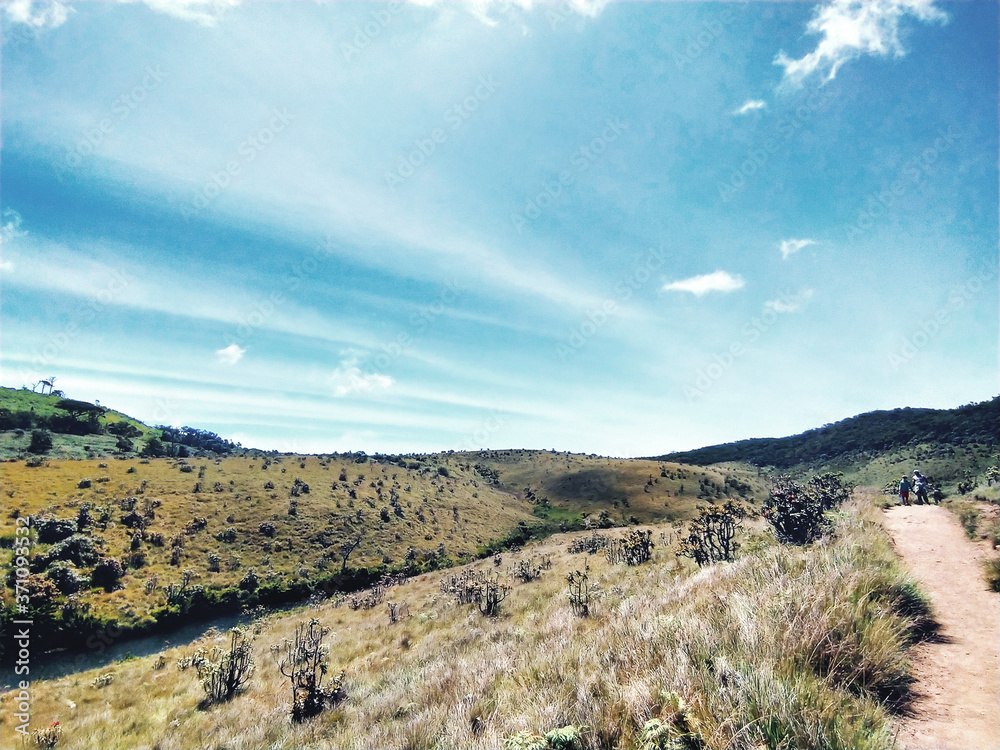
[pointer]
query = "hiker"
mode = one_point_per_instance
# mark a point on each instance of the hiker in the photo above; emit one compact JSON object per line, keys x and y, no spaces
{"x":920,"y":487}
{"x":904,"y":490}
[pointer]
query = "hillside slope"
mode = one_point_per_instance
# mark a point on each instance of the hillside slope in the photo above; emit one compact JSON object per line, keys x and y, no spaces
{"x":786,"y":647}
{"x":861,"y":437}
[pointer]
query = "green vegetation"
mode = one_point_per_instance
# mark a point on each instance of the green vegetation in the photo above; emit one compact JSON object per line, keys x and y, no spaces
{"x":852,"y":439}
{"x":785,"y":646}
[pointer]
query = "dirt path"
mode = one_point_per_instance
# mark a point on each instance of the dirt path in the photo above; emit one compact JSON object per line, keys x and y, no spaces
{"x":957,"y":704}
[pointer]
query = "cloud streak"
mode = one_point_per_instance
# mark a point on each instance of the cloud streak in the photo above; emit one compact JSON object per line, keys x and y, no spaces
{"x":751,"y":105}
{"x":850,"y":29}
{"x":790,"y":247}
{"x":717,"y":281}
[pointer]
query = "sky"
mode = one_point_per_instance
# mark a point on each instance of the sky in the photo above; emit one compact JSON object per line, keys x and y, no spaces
{"x":621,"y":228}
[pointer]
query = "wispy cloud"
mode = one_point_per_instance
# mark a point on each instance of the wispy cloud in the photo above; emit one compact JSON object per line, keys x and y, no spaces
{"x":231,"y":354}
{"x":790,"y":247}
{"x":789,"y":303}
{"x":203,"y":12}
{"x":852,"y":28}
{"x":717,"y":281}
{"x":484,"y":9}
{"x":10,"y":228}
{"x":750,"y":105}
{"x":348,"y":377}
{"x":40,"y":15}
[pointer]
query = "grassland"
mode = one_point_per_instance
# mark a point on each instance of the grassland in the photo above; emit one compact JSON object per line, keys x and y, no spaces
{"x":786,"y":647}
{"x":432,"y":511}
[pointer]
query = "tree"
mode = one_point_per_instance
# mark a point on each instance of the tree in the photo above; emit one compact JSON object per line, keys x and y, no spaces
{"x":347,"y":547}
{"x":41,"y":442}
{"x":153,"y":447}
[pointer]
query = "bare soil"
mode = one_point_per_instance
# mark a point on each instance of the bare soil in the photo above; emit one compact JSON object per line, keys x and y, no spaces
{"x":956,"y":702}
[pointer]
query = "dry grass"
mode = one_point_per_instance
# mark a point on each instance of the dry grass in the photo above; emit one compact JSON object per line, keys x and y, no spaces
{"x":783,"y":648}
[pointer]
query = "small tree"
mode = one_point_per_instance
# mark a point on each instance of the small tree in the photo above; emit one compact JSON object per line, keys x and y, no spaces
{"x":305,"y":662}
{"x":223,"y":673}
{"x":795,"y":512}
{"x":347,"y":547}
{"x":41,"y":442}
{"x":711,"y":535}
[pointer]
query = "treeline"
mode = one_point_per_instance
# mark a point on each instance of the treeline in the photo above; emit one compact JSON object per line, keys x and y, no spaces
{"x":192,"y":437}
{"x":71,"y":417}
{"x":874,"y":432}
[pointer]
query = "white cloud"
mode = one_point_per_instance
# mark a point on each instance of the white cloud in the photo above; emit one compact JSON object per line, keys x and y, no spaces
{"x":6,"y":266}
{"x":348,"y":377}
{"x":11,"y":226}
{"x":483,"y":9}
{"x":37,"y":15}
{"x":203,"y":12}
{"x":851,"y":28}
{"x":231,"y":354}
{"x":717,"y":281}
{"x":789,"y":247}
{"x":789,"y":303}
{"x":750,"y":105}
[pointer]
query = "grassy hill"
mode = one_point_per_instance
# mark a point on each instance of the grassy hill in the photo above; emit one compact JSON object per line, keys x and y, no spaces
{"x":786,"y":647}
{"x":872,"y":448}
{"x":201,"y":525}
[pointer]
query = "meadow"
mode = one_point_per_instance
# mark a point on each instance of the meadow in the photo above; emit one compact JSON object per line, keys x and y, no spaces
{"x":787,"y":646}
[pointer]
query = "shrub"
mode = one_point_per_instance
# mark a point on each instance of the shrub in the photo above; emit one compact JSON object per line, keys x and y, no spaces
{"x":83,"y":484}
{"x":993,"y":573}
{"x":305,"y":662}
{"x":710,"y":536}
{"x":65,"y":577}
{"x":491,"y":594}
{"x":214,"y":562}
{"x":41,"y":442}
{"x":78,"y":549}
{"x":51,"y":530}
{"x":795,"y":512}
{"x":579,"y":591}
{"x":228,"y":536}
{"x":107,"y":573}
{"x":224,"y":673}
{"x":267,"y":529}
{"x":250,"y":580}
{"x":48,"y":737}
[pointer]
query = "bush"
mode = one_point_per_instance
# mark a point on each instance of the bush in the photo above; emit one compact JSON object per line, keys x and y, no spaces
{"x":51,"y":530}
{"x":65,"y":577}
{"x":224,"y":673}
{"x":107,"y":573}
{"x":41,"y":442}
{"x":304,"y":661}
{"x":78,"y":549}
{"x":228,"y":536}
{"x":795,"y":512}
{"x":83,"y":484}
{"x":711,"y":535}
{"x":267,"y":529}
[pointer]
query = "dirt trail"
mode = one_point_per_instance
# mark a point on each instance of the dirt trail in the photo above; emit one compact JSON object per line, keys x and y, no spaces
{"x":957,"y":689}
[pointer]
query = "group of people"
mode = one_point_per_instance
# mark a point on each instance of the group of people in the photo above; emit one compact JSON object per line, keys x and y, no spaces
{"x":919,"y":486}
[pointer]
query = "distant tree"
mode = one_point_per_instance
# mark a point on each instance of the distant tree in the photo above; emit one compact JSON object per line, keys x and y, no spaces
{"x":41,"y":442}
{"x":153,"y":447}
{"x":347,"y":547}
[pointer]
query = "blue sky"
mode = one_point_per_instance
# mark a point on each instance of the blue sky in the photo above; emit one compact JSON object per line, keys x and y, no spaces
{"x":621,"y":228}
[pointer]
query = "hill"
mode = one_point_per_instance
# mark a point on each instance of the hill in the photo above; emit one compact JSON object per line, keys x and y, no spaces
{"x":80,"y":429}
{"x":859,"y":439}
{"x":146,"y":543}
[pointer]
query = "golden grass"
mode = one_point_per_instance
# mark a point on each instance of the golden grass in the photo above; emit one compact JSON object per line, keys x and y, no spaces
{"x":786,"y":647}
